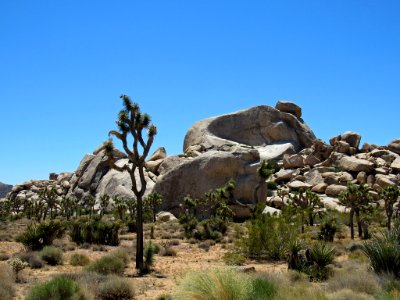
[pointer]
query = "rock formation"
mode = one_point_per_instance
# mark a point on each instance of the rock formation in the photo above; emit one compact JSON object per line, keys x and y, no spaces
{"x":232,"y":146}
{"x":4,"y":189}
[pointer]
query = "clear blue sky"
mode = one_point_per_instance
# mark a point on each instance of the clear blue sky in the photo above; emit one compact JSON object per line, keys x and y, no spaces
{"x":63,"y":65}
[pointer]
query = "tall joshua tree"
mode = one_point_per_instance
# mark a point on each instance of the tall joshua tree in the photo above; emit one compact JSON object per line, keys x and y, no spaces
{"x":357,"y":198}
{"x":131,"y":122}
{"x":390,"y":195}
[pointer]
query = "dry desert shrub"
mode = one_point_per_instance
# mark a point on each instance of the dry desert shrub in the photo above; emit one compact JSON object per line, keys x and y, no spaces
{"x":6,"y":282}
{"x":347,"y":294}
{"x":354,"y":277}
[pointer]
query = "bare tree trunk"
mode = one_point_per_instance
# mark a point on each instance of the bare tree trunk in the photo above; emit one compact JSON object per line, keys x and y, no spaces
{"x":139,"y":235}
{"x":389,"y":214}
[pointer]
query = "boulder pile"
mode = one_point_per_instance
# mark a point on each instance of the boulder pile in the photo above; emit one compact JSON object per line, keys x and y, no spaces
{"x":232,"y":146}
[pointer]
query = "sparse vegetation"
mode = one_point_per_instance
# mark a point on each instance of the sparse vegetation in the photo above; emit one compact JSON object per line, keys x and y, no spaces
{"x":108,"y":264}
{"x":115,"y":288}
{"x":36,"y":236}
{"x":6,"y":283}
{"x":59,"y":288}
{"x":52,"y":255}
{"x":79,"y":260}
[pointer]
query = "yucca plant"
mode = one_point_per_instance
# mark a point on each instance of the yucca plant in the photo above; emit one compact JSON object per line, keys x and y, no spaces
{"x":321,"y":255}
{"x":294,"y":260}
{"x":384,"y":252}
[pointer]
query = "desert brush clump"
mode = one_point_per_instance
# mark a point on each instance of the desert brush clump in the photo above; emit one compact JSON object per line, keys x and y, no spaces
{"x":52,"y":255}
{"x":268,"y":237}
{"x":94,"y":231}
{"x":226,"y":284}
{"x":115,"y":288}
{"x":7,"y":289}
{"x":32,"y":258}
{"x":108,"y":264}
{"x":78,"y":259}
{"x":38,"y":235}
{"x":59,"y":288}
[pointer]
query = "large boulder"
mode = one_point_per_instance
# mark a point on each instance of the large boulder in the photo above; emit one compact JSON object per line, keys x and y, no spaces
{"x":116,"y":183}
{"x":289,"y":107}
{"x":257,"y":127}
{"x":396,"y":164}
{"x":353,"y":164}
{"x":395,"y":146}
{"x":211,"y":170}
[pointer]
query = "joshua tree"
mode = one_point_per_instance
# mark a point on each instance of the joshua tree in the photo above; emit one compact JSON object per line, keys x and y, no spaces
{"x":390,"y":195}
{"x":153,"y":200}
{"x":49,"y":195}
{"x":306,"y":202}
{"x":357,"y":198}
{"x":264,"y":171}
{"x":104,"y":203}
{"x":132,"y":122}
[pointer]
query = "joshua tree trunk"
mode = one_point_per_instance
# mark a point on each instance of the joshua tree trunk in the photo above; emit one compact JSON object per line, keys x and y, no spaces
{"x":359,"y":225}
{"x":351,"y":221}
{"x":389,"y":214}
{"x":139,"y":236}
{"x":311,"y":218}
{"x":364,"y":225}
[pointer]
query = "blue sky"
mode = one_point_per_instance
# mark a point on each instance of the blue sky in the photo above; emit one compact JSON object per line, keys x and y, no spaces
{"x":63,"y":65}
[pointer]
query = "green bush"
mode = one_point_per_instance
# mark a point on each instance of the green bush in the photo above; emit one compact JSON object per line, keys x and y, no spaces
{"x":115,"y":288}
{"x":234,"y":259}
{"x":94,"y":231}
{"x":261,"y":289}
{"x":224,"y":284}
{"x":384,"y":252}
{"x":268,"y":237}
{"x":79,"y":260}
{"x":51,"y":255}
{"x":321,"y":255}
{"x":108,"y":264}
{"x":148,"y":256}
{"x":328,"y":229}
{"x":6,"y":283}
{"x":36,"y":236}
{"x":59,"y":288}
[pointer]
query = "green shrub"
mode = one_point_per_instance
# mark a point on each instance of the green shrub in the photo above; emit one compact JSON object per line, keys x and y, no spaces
{"x":328,"y":229}
{"x":79,"y":260}
{"x":321,"y":255}
{"x":234,"y":259}
{"x":6,"y":283}
{"x":261,"y":289}
{"x":94,"y":231}
{"x":148,"y":256}
{"x":384,"y":252}
{"x":268,"y":237}
{"x":108,"y":264}
{"x":51,"y":255}
{"x":36,"y":236}
{"x":224,"y":284}
{"x":115,"y":288}
{"x":59,"y":288}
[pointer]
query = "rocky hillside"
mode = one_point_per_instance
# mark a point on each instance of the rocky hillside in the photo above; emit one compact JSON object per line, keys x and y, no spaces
{"x":232,"y":146}
{"x":4,"y":189}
